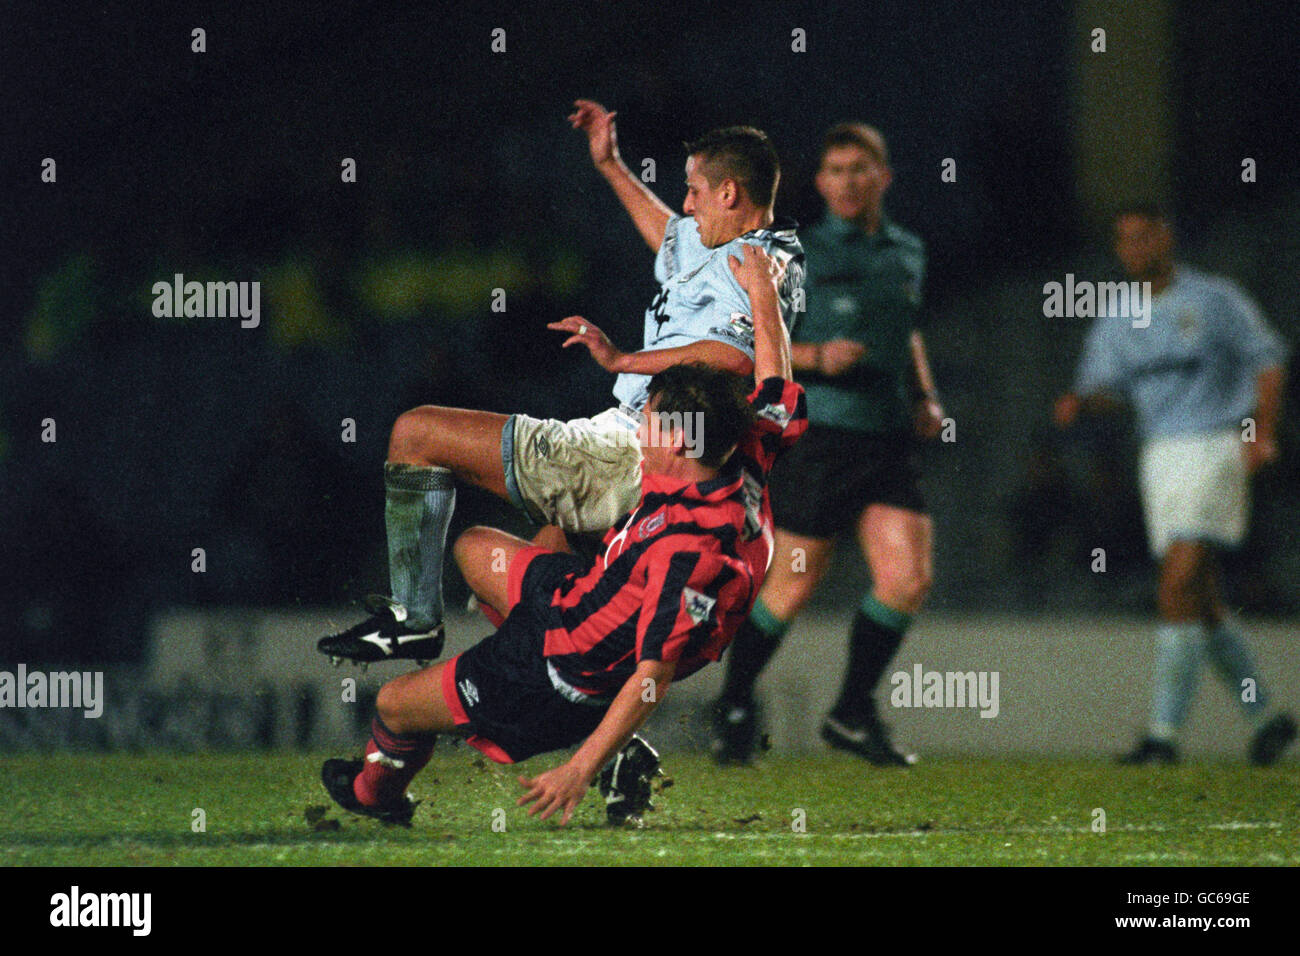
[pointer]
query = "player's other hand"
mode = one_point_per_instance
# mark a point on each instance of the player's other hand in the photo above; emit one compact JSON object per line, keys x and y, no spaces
{"x":598,"y":123}
{"x":582,"y":332}
{"x":757,"y":270}
{"x":1066,"y":410}
{"x":928,"y":418}
{"x":837,"y":356}
{"x":1258,"y":453}
{"x":561,"y":789}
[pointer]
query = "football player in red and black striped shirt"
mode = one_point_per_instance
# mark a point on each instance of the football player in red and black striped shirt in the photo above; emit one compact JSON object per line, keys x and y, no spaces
{"x":585,"y":651}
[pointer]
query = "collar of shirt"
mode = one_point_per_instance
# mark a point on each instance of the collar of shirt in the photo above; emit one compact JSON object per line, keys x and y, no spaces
{"x":842,"y":229}
{"x":717,"y":488}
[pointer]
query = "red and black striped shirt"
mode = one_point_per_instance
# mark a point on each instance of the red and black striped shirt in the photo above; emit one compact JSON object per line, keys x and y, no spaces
{"x":678,"y":576}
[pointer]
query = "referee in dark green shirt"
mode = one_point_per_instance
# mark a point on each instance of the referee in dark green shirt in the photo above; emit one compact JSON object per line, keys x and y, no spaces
{"x":858,"y":354}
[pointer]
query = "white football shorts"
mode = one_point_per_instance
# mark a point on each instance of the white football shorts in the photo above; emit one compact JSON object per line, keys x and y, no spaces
{"x":1195,"y":488}
{"x":581,"y":475}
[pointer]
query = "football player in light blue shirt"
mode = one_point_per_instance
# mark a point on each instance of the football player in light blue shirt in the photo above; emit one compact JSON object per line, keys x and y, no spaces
{"x":700,"y":313}
{"x":1204,"y":376}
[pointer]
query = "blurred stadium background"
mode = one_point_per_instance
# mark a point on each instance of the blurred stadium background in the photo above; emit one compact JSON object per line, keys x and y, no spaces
{"x":176,"y":434}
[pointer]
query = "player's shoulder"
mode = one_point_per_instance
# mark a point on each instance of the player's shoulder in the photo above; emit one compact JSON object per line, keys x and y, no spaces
{"x":1214,"y":289}
{"x":781,"y":236}
{"x":684,"y":231}
{"x":904,"y":237}
{"x":677,"y":534}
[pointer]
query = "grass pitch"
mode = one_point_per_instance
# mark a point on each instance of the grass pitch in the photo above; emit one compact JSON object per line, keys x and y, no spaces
{"x":266,"y":810}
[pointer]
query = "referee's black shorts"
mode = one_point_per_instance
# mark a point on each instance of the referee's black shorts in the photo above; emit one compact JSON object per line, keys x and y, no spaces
{"x":832,"y":474}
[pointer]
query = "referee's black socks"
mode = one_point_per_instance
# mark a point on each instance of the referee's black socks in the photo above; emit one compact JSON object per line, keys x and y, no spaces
{"x":877,"y":633}
{"x":753,"y":646}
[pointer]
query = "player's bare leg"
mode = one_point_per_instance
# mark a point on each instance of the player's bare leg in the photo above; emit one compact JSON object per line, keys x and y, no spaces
{"x":410,"y":713}
{"x":897,"y":544}
{"x":798,"y":565}
{"x":1230,"y":657}
{"x":483,"y":556}
{"x":1185,"y":600}
{"x":429,"y":449}
{"x":463,"y":441}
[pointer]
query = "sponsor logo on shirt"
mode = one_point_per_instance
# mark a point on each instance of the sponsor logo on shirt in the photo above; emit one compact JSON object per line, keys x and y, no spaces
{"x":651,"y":525}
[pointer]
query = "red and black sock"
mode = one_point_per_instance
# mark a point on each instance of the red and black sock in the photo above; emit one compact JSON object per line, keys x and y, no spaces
{"x":392,"y":761}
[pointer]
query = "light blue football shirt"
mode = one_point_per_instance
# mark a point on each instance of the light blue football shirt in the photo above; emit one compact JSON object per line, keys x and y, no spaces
{"x":1193,"y":369}
{"x":700,"y":299}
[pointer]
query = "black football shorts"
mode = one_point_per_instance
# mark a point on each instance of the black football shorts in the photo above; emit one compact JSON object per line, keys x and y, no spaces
{"x":501,"y":691}
{"x":820,"y":486}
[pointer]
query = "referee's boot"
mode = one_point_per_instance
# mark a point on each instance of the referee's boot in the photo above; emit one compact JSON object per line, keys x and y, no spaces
{"x":1270,"y":740}
{"x":626,"y":783}
{"x":735,"y":732}
{"x":1149,"y":750}
{"x":338,"y":777}
{"x":868,"y":738}
{"x":384,"y":636}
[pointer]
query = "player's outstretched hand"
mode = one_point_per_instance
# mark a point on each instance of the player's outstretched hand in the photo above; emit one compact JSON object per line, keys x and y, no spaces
{"x":1261,"y":452}
{"x":598,"y":123}
{"x":758,"y":269}
{"x":560,"y":789}
{"x":1066,"y":410}
{"x":582,"y":332}
{"x":837,"y":356}
{"x":928,"y":420}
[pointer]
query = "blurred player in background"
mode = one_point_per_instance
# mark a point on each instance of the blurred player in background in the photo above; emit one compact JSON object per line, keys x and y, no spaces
{"x":582,"y":476}
{"x":861,"y":359}
{"x":587,"y":650}
{"x":1206,"y":362}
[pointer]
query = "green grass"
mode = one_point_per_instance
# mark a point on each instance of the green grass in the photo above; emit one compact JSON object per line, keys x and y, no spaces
{"x":88,"y":810}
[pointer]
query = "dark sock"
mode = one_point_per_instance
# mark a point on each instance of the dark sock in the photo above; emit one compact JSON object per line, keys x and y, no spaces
{"x":753,"y":646}
{"x":877,"y":633}
{"x":383,"y":781}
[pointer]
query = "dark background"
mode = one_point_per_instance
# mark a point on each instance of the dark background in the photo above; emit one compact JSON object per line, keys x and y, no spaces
{"x":225,"y":165}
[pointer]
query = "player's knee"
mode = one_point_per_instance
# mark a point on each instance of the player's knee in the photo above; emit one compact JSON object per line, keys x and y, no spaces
{"x":389,"y":705}
{"x":409,"y":441}
{"x":1177,"y":596}
{"x":468,"y":548}
{"x":905,"y":588}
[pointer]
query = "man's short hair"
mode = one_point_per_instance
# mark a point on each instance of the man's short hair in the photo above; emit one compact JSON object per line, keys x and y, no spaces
{"x":744,"y":154}
{"x":721,"y":398}
{"x":1147,"y":209}
{"x":856,"y":134}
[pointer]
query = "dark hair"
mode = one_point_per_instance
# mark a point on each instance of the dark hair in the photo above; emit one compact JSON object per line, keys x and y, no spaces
{"x":857,"y":134}
{"x":744,"y":154}
{"x":1148,"y":209}
{"x":721,"y":398}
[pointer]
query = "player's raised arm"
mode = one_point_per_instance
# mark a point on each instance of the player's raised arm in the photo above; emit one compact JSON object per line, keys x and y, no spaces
{"x":759,"y":275}
{"x":648,"y":212}
{"x":563,"y":788}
